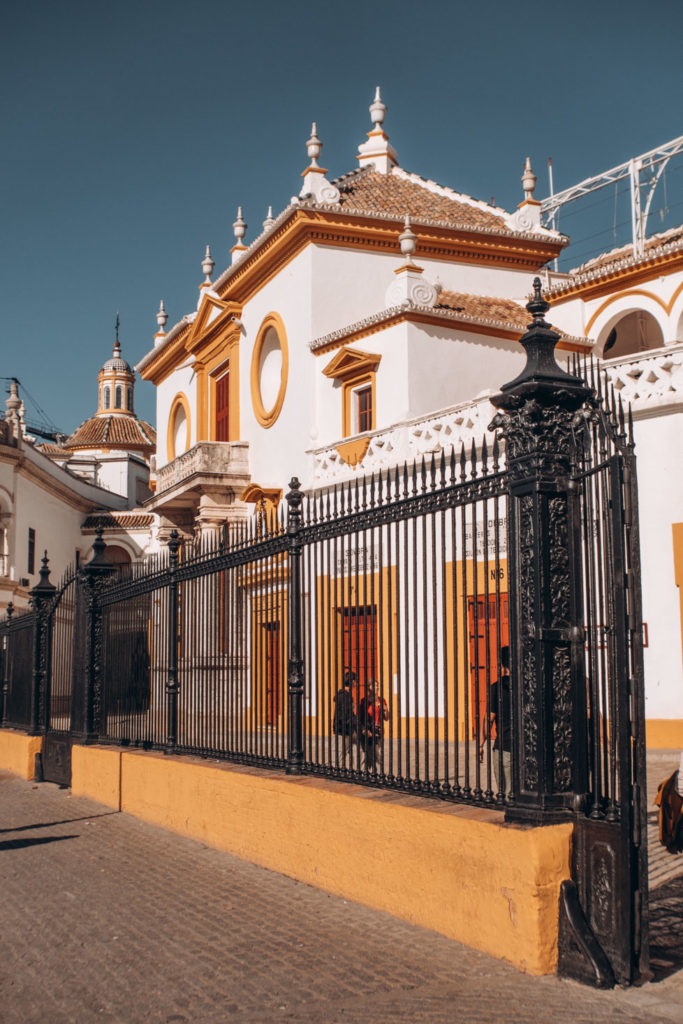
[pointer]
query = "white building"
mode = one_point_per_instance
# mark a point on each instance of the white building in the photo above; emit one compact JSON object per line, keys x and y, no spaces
{"x":53,"y":497}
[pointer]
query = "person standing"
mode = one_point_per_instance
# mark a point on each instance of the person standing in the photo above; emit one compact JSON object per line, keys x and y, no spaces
{"x":500,"y":708}
{"x":344,"y":718}
{"x":372,"y":714}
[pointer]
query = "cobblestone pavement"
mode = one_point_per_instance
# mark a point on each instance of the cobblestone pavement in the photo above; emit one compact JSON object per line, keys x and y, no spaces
{"x":106,"y":918}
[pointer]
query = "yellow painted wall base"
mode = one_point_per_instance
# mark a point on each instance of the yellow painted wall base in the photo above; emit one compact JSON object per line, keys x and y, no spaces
{"x":459,"y":871}
{"x":664,"y":733}
{"x":18,"y":751}
{"x":96,"y":773}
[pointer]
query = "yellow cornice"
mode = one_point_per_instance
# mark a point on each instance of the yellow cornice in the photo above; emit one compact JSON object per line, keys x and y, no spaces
{"x":623,"y":277}
{"x":353,"y":231}
{"x":165,"y":361}
{"x":421,"y":316}
{"x":342,"y":229}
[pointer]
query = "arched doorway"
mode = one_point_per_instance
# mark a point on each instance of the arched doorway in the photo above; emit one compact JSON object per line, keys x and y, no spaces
{"x":117,"y":556}
{"x":632,"y":334}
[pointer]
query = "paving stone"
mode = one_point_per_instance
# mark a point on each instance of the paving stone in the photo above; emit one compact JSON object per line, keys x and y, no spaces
{"x":105,"y":918}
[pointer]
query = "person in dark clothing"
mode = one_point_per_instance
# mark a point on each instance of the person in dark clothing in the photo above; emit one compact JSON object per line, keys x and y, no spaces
{"x":501,"y":716}
{"x":344,"y":718}
{"x":372,"y":714}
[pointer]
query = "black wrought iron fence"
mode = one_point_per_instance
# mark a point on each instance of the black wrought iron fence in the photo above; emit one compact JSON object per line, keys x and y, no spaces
{"x":405,"y":612}
{"x":16,"y":660}
{"x":395,"y":583}
{"x":467,"y":627}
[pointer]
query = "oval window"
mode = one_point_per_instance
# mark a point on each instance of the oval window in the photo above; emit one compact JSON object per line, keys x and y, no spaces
{"x":269,"y":367}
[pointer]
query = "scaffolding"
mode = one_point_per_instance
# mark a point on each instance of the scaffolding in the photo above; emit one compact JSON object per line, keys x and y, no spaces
{"x":643,"y":172}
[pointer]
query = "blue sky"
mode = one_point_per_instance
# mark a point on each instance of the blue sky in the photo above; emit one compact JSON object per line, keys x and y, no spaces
{"x":133,"y":130}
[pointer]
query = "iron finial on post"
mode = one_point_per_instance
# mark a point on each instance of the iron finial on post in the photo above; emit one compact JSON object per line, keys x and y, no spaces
{"x":295,"y":664}
{"x":98,"y":564}
{"x":538,"y":306}
{"x":44,"y":586}
{"x":174,"y":543}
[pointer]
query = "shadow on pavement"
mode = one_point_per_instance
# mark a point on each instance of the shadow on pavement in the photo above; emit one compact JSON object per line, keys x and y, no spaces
{"x":20,"y":844}
{"x":666,"y":926}
{"x":65,"y":821}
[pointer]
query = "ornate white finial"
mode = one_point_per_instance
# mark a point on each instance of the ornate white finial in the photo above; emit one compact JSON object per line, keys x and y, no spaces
{"x":314,"y":146}
{"x":315,"y":183}
{"x":239,"y":230}
{"x":377,"y":151}
{"x":527,"y":216}
{"x":378,"y":110}
{"x":13,"y":402}
{"x":528,"y":180}
{"x":409,"y":288}
{"x":239,"y":227}
{"x":269,"y":219}
{"x":408,"y":241}
{"x":15,"y":410}
{"x":162,"y":318}
{"x":207,"y":265}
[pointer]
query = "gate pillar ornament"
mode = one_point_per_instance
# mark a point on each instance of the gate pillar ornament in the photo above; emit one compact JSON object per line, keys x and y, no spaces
{"x":174,"y":546}
{"x":537,"y":410}
{"x":41,"y":596}
{"x":86,"y":711}
{"x":295,"y":664}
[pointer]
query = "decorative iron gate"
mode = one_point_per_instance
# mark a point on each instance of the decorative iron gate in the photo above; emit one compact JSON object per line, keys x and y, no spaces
{"x":64,"y":626}
{"x":607,"y":902}
{"x":364,"y":636}
{"x":16,"y":654}
{"x":576,"y":639}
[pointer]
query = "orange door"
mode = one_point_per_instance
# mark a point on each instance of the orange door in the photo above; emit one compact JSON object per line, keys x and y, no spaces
{"x":360,"y":647}
{"x":483,"y":657}
{"x":273,"y":704}
{"x":222,"y":408}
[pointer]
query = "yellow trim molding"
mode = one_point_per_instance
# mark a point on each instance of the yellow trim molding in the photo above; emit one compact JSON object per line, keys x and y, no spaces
{"x":353,"y":369}
{"x":267,"y":417}
{"x":179,"y":402}
{"x":253,"y":493}
{"x":677,"y":531}
{"x":353,"y":452}
{"x":664,"y":733}
{"x":623,"y":295}
{"x":421,"y":316}
{"x":659,"y":266}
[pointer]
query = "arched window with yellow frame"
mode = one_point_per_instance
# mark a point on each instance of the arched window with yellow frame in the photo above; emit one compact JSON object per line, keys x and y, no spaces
{"x":178,"y":437}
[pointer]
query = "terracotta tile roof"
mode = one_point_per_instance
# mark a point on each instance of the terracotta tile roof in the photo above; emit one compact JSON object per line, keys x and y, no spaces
{"x":367,"y":191}
{"x":53,"y":451}
{"x":625,"y":252}
{"x":125,"y":521}
{"x":127,"y":432}
{"x":482,"y":307}
{"x":454,"y":307}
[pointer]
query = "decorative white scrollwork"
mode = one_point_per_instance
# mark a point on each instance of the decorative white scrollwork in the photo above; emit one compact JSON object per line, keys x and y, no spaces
{"x":329,"y":193}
